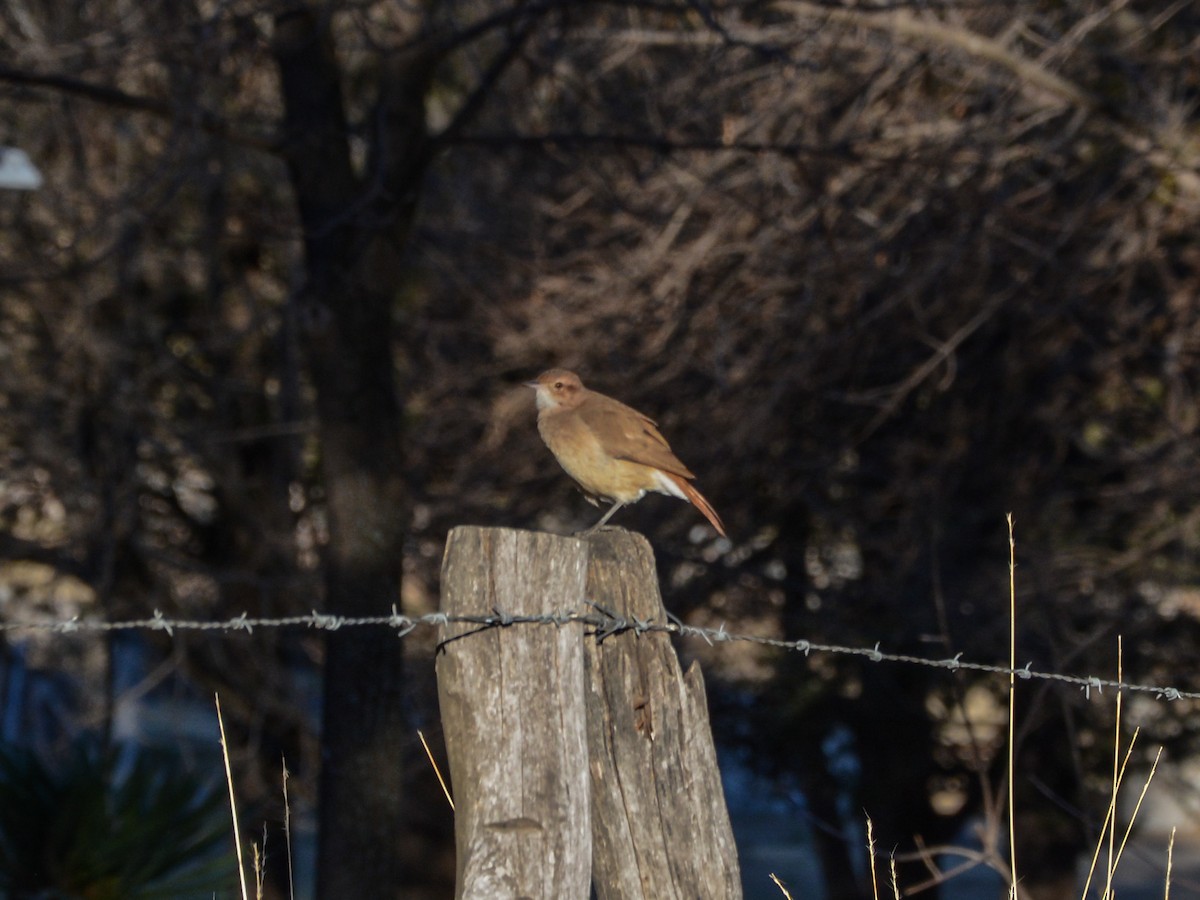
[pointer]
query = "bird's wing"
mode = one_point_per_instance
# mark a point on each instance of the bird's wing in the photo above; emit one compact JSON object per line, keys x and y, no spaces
{"x":625,"y":433}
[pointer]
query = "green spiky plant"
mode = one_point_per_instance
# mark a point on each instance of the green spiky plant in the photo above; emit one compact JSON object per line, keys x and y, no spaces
{"x":93,"y":825}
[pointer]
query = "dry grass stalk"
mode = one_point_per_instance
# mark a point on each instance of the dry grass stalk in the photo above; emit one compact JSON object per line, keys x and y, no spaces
{"x":237,"y":834}
{"x":436,"y":771}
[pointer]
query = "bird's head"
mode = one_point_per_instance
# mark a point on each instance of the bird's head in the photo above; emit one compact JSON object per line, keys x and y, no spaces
{"x":557,"y":389}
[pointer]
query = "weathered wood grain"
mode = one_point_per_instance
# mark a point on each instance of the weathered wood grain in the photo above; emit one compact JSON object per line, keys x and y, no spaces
{"x":575,"y":761}
{"x":660,"y":827}
{"x":512,"y":703}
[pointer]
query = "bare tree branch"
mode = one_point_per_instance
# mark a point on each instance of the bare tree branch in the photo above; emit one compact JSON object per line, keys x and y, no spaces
{"x":905,"y":24}
{"x":161,"y":109}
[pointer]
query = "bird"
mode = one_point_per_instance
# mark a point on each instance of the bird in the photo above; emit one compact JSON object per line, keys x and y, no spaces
{"x":613,"y":452}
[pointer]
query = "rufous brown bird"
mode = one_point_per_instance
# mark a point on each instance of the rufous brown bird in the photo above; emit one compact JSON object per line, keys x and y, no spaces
{"x":614,"y":453}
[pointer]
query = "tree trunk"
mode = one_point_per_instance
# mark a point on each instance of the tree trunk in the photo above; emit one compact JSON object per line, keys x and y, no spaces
{"x":354,"y":232}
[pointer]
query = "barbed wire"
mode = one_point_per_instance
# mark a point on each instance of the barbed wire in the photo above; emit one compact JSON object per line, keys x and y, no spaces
{"x":604,"y":623}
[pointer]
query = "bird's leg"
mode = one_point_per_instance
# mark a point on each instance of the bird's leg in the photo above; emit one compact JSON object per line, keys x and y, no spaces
{"x":617,"y":504}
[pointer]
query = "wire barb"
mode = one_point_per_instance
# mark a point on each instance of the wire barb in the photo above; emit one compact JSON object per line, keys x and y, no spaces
{"x":600,"y":623}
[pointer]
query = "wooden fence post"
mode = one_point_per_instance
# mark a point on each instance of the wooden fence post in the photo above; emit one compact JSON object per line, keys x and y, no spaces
{"x":513,"y":717}
{"x":575,"y":760}
{"x":660,"y":827}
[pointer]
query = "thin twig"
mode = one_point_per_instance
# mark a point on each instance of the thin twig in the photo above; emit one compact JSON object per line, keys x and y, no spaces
{"x":1012,"y":705}
{"x":287,"y":831}
{"x":237,"y":835}
{"x":436,"y":770}
{"x":1137,"y":807}
{"x":1170,"y":859}
{"x":1112,"y":822}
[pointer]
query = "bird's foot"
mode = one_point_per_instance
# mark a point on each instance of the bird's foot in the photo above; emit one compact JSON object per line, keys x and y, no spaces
{"x":597,"y":528}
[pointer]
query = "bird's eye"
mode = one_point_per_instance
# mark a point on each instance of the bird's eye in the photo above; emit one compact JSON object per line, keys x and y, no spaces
{"x":558,"y":385}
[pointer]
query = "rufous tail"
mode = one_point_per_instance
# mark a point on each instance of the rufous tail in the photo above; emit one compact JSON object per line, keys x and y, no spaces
{"x":697,"y":500}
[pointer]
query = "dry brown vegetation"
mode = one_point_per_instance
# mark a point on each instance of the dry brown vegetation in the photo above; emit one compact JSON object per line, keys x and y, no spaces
{"x":882,"y":272}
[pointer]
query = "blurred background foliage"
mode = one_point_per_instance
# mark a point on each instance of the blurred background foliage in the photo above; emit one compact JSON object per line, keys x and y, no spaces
{"x":882,"y":272}
{"x":89,"y":822}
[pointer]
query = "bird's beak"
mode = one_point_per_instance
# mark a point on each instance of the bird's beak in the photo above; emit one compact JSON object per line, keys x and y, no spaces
{"x":532,"y":384}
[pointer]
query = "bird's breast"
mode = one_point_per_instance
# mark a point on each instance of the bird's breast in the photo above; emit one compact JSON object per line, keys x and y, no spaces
{"x":580,"y":452}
